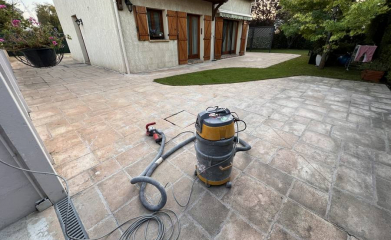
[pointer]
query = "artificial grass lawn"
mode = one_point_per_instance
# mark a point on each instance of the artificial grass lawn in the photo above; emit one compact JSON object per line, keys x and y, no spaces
{"x":295,"y":67}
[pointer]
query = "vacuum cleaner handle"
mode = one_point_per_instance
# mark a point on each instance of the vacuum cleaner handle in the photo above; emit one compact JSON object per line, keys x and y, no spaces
{"x":245,"y":145}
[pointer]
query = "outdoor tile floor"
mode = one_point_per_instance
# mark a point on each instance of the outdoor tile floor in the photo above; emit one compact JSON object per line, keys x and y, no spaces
{"x":319,"y":167}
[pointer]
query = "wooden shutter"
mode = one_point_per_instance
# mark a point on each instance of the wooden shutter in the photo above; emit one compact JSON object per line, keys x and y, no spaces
{"x":172,"y":17}
{"x":207,"y":36}
{"x":218,"y":37}
{"x":182,"y":37}
{"x":140,"y":14}
{"x":243,"y":38}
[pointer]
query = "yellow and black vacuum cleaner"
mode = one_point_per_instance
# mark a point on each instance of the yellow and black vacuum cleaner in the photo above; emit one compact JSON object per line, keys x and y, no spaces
{"x":216,"y":146}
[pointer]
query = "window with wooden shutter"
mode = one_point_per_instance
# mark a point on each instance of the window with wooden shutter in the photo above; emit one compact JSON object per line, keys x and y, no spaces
{"x":141,"y":23}
{"x":155,"y":24}
{"x":207,"y":36}
{"x":218,"y":37}
{"x":182,"y":38}
{"x":172,"y":18}
{"x":243,"y":38}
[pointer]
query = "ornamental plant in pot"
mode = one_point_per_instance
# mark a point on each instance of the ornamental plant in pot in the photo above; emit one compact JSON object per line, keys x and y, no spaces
{"x":373,"y":71}
{"x":38,"y":43}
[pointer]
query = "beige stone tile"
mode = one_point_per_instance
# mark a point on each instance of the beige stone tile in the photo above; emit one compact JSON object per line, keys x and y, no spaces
{"x":307,"y":225}
{"x":93,"y":129}
{"x":101,"y":139}
{"x":130,"y":210}
{"x":44,"y":113}
{"x":77,"y":166}
{"x":61,"y":129}
{"x":117,"y":190}
{"x":62,"y":142}
{"x":310,"y":197}
{"x":72,"y":153}
{"x":90,"y":207}
{"x":237,"y":228}
{"x":263,"y":150}
{"x":296,"y":165}
{"x":76,"y":110}
{"x":186,"y":161}
{"x":134,"y":154}
{"x":43,"y":133}
{"x":79,"y":183}
{"x":103,"y":170}
{"x":166,"y":173}
{"x":270,"y":176}
{"x":279,"y":234}
{"x":103,"y":228}
{"x":276,"y":136}
{"x":210,"y":216}
{"x":46,"y":120}
{"x":137,"y":168}
{"x":254,"y":201}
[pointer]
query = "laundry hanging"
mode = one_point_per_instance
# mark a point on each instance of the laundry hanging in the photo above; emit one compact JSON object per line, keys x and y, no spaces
{"x":365,"y":51}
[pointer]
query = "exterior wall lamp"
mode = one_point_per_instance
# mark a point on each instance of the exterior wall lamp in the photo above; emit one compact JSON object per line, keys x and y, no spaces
{"x":129,"y":5}
{"x":78,"y":21}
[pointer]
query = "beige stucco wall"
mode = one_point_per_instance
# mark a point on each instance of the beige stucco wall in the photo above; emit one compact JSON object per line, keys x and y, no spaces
{"x":102,"y":39}
{"x":99,"y":31}
{"x":151,"y":55}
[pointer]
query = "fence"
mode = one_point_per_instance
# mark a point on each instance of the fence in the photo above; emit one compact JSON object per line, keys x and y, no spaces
{"x":260,"y":38}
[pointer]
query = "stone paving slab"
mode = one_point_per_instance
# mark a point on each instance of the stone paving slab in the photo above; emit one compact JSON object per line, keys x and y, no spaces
{"x":319,"y":167}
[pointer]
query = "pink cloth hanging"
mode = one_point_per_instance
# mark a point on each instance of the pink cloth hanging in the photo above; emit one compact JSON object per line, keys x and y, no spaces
{"x":366,"y":51}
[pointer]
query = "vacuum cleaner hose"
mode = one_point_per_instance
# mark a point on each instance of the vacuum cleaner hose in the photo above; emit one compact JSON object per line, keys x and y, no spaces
{"x":245,"y":145}
{"x":145,"y":176}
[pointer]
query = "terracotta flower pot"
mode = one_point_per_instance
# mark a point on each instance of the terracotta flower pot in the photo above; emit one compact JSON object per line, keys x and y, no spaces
{"x":371,"y":75}
{"x":43,"y":57}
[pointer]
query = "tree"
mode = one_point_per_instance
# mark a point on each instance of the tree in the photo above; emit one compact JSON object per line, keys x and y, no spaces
{"x":46,"y":14}
{"x":6,"y":17}
{"x":328,"y":21}
{"x":264,"y":12}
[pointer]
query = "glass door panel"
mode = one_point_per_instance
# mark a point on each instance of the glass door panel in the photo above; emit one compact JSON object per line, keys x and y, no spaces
{"x":193,"y":36}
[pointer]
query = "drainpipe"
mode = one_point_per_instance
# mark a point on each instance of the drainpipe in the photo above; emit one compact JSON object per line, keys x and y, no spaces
{"x":121,"y":38}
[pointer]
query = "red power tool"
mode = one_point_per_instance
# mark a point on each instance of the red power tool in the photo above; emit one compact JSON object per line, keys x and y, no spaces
{"x":151,"y":131}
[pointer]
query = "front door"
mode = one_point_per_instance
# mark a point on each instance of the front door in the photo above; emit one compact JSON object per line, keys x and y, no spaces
{"x":229,"y":36}
{"x":193,"y":33}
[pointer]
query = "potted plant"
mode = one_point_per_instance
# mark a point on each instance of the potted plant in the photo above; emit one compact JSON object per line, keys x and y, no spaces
{"x":373,"y":71}
{"x":38,"y":43}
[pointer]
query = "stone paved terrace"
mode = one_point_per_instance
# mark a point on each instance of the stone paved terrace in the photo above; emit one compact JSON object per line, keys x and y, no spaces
{"x":319,"y":168}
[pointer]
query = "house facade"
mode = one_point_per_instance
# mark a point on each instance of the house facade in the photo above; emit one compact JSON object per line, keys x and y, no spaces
{"x":132,"y":36}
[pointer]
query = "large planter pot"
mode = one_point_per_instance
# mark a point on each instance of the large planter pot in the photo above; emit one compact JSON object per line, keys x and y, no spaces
{"x":42,"y":57}
{"x":371,"y":75}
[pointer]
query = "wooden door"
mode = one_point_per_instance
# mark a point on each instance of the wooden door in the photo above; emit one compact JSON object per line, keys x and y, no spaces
{"x":182,"y":37}
{"x":193,"y":38}
{"x":243,"y":38}
{"x":207,"y":36}
{"x":218,"y":37}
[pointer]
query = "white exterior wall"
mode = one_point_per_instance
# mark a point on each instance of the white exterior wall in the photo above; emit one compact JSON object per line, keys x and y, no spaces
{"x":151,"y":55}
{"x":99,"y":31}
{"x":102,"y":40}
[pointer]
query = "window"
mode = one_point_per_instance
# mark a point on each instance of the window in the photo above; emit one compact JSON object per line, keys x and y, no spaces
{"x":155,"y":24}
